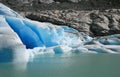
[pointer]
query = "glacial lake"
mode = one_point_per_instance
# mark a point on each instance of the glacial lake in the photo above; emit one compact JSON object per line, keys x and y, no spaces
{"x":61,"y":65}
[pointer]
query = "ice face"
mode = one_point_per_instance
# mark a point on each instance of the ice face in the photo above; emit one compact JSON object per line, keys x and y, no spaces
{"x":11,"y":47}
{"x":36,"y":34}
{"x":22,"y":39}
{"x":26,"y":34}
{"x":18,"y":34}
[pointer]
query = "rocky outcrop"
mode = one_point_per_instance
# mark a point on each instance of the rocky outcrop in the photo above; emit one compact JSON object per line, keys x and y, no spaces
{"x":61,"y":4}
{"x":100,"y":24}
{"x":51,"y":1}
{"x":94,"y":23}
{"x":87,"y":16}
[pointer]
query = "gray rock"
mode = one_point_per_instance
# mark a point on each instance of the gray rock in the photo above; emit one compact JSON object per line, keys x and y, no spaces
{"x":46,"y":1}
{"x":94,"y":23}
{"x":75,"y":1}
{"x":99,"y":24}
{"x":75,"y":19}
{"x":78,"y":14}
{"x":114,"y":23}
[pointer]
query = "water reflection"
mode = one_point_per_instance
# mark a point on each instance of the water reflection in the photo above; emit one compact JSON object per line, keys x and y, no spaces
{"x":13,"y":69}
{"x":75,"y":65}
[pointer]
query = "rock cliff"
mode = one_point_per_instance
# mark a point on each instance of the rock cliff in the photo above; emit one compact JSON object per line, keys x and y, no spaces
{"x":94,"y":23}
{"x":95,"y":18}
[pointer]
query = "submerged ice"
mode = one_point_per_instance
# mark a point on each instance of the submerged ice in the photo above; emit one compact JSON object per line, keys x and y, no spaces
{"x":21,"y":39}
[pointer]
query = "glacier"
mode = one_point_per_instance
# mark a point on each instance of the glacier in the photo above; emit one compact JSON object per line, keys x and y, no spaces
{"x":22,"y":39}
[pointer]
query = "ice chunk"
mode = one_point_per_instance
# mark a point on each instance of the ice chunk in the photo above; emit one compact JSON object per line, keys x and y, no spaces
{"x":47,"y":35}
{"x":34,"y":34}
{"x":85,"y":37}
{"x":98,"y":49}
{"x":109,"y":40}
{"x":34,"y":28}
{"x":62,"y":49}
{"x":82,"y":50}
{"x":52,"y":35}
{"x":115,"y":48}
{"x":38,"y":51}
{"x":28,"y":37}
{"x":11,"y":47}
{"x":68,"y":29}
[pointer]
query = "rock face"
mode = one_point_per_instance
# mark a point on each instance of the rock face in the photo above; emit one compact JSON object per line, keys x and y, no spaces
{"x":50,"y":1}
{"x":94,"y":23}
{"x":87,"y":16}
{"x":81,"y":3}
{"x":46,"y":1}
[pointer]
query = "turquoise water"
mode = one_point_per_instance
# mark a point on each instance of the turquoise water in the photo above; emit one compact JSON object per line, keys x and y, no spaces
{"x":75,"y":65}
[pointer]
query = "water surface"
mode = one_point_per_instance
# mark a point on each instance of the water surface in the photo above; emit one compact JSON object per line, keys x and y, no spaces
{"x":75,"y":65}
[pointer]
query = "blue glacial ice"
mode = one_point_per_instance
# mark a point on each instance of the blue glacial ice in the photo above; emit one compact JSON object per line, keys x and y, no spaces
{"x":11,"y":47}
{"x":22,"y":38}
